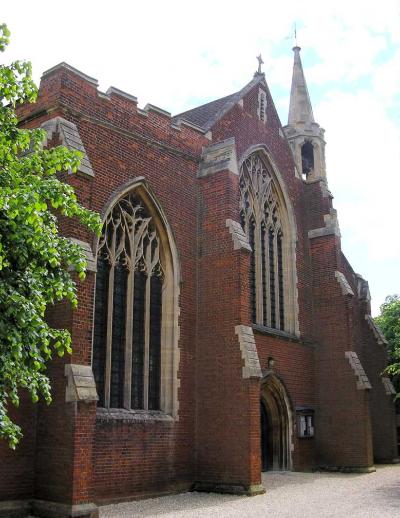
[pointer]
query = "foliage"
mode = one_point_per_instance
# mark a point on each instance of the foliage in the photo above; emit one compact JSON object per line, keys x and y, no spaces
{"x":389,"y":323}
{"x":34,"y":258}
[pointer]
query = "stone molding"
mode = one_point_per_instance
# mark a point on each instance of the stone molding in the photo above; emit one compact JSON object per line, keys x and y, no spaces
{"x":239,"y":238}
{"x":388,"y":385}
{"x":152,"y":108}
{"x":344,"y":284}
{"x":112,"y":90}
{"x":230,"y":489}
{"x":57,"y":510}
{"x":291,"y":337}
{"x":74,"y":70}
{"x":219,"y":157}
{"x":132,"y":416}
{"x":48,"y":509}
{"x":348,"y":469}
{"x":70,"y":138}
{"x":375,"y":329}
{"x":362,"y":288}
{"x":15,"y":508}
{"x":331,"y":226}
{"x":326,"y":193}
{"x":81,"y":384}
{"x":363,"y":381}
{"x":91,"y":261}
{"x":251,"y":368}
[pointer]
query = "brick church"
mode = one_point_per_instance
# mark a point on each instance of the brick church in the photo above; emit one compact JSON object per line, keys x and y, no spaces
{"x":221,"y":331}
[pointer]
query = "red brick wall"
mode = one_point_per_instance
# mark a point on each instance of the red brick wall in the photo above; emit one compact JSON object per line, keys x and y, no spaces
{"x":373,"y":357}
{"x":157,"y":455}
{"x":227,"y":440}
{"x":17,"y":467}
{"x":294,"y":366}
{"x":123,"y":145}
{"x":80,"y":456}
{"x":294,"y":359}
{"x":55,"y":426}
{"x":243,"y":124}
{"x":343,"y":418}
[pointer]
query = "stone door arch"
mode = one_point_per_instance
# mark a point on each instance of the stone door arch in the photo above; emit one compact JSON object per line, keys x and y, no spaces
{"x":276,"y":425}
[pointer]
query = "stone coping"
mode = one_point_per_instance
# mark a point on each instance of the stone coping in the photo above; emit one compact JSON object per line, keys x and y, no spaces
{"x":132,"y":416}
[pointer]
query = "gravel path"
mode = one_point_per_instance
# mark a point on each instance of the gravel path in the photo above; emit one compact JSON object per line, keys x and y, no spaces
{"x":294,"y":495}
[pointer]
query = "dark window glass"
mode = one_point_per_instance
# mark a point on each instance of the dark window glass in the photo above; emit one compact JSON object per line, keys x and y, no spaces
{"x":100,"y":326}
{"x":118,"y":338}
{"x":252,"y":273}
{"x":280,"y":281}
{"x":129,"y":242}
{"x":272,"y":277}
{"x":138,"y":340}
{"x":155,"y":343}
{"x":261,"y":211}
{"x":307,"y":158}
{"x":264,"y":275}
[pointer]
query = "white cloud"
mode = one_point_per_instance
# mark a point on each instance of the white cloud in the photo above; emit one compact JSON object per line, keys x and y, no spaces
{"x":363,"y":154}
{"x":386,"y":80}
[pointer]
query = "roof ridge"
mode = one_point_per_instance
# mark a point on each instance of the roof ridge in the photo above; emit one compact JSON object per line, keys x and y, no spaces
{"x":206,"y":117}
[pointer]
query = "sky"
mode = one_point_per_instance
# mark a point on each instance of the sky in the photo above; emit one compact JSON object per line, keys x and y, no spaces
{"x":179,"y":54}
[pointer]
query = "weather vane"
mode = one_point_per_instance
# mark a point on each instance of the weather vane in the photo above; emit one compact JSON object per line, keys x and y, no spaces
{"x":260,"y":62}
{"x":295,"y":34}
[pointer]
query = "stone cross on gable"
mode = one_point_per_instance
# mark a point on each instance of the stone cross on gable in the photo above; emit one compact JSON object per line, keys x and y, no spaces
{"x":260,"y":62}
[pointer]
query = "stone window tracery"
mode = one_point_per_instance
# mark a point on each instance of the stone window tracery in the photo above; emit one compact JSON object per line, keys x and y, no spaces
{"x":130,"y":291}
{"x":263,"y":219}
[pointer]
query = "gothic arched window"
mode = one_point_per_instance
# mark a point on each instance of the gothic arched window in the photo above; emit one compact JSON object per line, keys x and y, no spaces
{"x":266,"y":223}
{"x":134,"y":303}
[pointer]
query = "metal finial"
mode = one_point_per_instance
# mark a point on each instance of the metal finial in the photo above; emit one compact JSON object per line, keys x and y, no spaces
{"x":296,"y":46}
{"x":260,"y":62}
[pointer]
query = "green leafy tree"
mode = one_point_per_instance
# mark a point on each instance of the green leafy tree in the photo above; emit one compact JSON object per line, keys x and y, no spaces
{"x":34,"y":259}
{"x":389,"y":323}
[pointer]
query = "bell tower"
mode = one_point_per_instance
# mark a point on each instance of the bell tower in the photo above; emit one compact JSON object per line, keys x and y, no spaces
{"x":305,"y":136}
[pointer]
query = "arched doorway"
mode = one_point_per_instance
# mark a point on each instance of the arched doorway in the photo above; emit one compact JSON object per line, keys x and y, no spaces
{"x":275,"y":424}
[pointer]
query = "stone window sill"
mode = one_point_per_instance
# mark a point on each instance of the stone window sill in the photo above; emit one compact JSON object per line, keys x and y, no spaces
{"x":132,"y":416}
{"x":270,"y":331}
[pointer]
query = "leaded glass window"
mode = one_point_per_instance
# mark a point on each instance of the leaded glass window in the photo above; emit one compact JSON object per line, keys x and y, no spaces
{"x":128,"y":308}
{"x":262,"y":220}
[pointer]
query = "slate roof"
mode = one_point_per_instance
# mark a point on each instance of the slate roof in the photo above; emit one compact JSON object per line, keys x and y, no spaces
{"x":201,"y":115}
{"x":208,"y":114}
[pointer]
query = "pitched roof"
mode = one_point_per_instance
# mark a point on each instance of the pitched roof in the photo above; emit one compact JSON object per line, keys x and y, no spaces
{"x":206,"y":115}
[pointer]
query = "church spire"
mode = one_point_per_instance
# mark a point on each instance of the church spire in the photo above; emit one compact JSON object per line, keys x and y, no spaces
{"x":300,"y":109}
{"x":305,"y":136}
